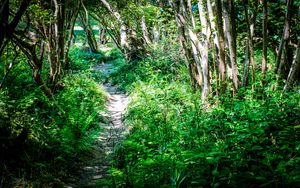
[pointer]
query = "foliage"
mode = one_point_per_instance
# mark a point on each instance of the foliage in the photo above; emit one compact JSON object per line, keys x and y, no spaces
{"x":84,"y":60}
{"x":44,"y":138}
{"x":151,"y":69}
{"x":248,"y":140}
{"x":242,"y":142}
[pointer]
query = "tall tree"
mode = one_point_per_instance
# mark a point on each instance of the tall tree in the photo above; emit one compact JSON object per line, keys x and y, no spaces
{"x":217,"y":8}
{"x":123,"y":27}
{"x":205,"y":34}
{"x":9,"y":23}
{"x":85,"y":21}
{"x":281,"y":58}
{"x":229,"y":20}
{"x":265,"y":40}
{"x":250,"y":48}
{"x":295,"y":68}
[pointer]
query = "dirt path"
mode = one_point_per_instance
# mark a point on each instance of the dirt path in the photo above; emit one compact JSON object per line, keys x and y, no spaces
{"x":96,"y":169}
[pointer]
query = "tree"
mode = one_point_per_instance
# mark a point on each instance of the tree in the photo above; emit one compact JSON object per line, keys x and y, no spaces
{"x":84,"y":19}
{"x":229,"y":20}
{"x":8,"y":28}
{"x":265,"y":40}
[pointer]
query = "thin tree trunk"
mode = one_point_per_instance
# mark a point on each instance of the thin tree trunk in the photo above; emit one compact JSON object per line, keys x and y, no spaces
{"x":84,"y":18}
{"x":123,"y":28}
{"x":35,"y":63}
{"x":204,"y":55}
{"x":145,"y":31}
{"x":229,"y":25}
{"x":10,"y":67}
{"x":196,"y":67}
{"x":8,"y":28}
{"x":249,"y":43}
{"x":221,"y":44}
{"x":102,"y":35}
{"x":56,"y":40}
{"x":280,"y":60}
{"x":70,"y":28}
{"x":189,"y":6}
{"x":193,"y":66}
{"x":215,"y":17}
{"x":156,"y":33}
{"x":293,"y":70}
{"x":265,"y":41}
{"x":246,"y":67}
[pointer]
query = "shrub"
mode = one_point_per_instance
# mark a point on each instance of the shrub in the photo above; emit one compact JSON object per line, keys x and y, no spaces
{"x":82,"y":60}
{"x":246,"y":140}
{"x":241,"y":142}
{"x":41,"y":139}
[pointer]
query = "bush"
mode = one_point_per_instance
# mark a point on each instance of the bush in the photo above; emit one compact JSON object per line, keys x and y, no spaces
{"x":145,"y":70}
{"x":243,"y":141}
{"x":41,"y":139}
{"x":83,"y":60}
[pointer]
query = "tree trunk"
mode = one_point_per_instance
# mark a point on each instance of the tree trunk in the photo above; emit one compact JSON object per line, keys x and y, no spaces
{"x":250,"y":51}
{"x":265,"y":41}
{"x":221,"y":40}
{"x":8,"y":28}
{"x":231,"y":41}
{"x":4,"y":14}
{"x":280,"y":58}
{"x":56,"y":42}
{"x":204,"y":55}
{"x":156,"y":33}
{"x":215,"y":17}
{"x":70,"y":29}
{"x":123,"y":28}
{"x":35,"y":63}
{"x":193,"y":66}
{"x":102,"y":35}
{"x":84,"y":18}
{"x":246,"y":67}
{"x":189,"y":6}
{"x":292,"y":76}
{"x":145,"y":31}
{"x":8,"y":69}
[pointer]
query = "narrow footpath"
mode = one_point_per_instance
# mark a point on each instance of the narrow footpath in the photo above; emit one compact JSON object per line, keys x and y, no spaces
{"x":96,"y":169}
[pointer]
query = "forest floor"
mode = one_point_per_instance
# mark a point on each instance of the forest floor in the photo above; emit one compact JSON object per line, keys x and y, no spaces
{"x":95,"y":170}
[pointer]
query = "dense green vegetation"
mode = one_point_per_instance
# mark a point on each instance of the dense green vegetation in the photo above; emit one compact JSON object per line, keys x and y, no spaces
{"x":250,"y":140}
{"x":213,"y":87}
{"x":42,"y":138}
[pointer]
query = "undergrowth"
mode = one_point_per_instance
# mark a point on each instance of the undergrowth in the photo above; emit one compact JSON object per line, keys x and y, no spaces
{"x":248,"y":140}
{"x":41,"y":140}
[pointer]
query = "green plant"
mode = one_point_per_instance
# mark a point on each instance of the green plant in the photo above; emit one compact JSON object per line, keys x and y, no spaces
{"x":82,"y":60}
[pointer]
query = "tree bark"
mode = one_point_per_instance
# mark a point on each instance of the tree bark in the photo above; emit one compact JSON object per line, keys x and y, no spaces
{"x":189,"y":6}
{"x":35,"y":62}
{"x":84,"y":18}
{"x":70,"y":29}
{"x":250,"y":50}
{"x":192,"y":61}
{"x":7,"y":28}
{"x":265,"y":41}
{"x":221,"y":44}
{"x":206,"y":32}
{"x":280,"y":59}
{"x":123,"y":28}
{"x":145,"y":31}
{"x":215,"y":17}
{"x":231,"y":41}
{"x":293,"y":70}
{"x":102,"y":35}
